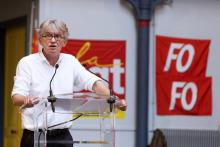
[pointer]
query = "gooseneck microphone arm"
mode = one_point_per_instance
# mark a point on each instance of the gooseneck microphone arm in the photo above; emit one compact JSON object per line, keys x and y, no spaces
{"x":51,"y":98}
{"x":112,"y":98}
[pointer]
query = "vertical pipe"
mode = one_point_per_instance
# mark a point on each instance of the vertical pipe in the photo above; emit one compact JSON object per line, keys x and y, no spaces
{"x":143,"y":9}
{"x":142,"y":83}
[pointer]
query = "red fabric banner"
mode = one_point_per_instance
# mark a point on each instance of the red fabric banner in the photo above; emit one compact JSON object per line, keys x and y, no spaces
{"x":104,"y":58}
{"x":184,"y":96}
{"x":182,"y":87}
{"x":34,"y":42}
{"x":177,"y":56}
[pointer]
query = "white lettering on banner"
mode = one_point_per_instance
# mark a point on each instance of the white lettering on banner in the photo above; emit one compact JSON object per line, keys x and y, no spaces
{"x":177,"y":95}
{"x":116,"y":71}
{"x":183,"y":49}
{"x":171,"y":56}
{"x":194,"y":91}
{"x":174,"y":94}
{"x":103,"y":71}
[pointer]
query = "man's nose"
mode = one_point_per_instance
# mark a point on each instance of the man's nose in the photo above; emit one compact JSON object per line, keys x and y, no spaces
{"x":53,"y":39}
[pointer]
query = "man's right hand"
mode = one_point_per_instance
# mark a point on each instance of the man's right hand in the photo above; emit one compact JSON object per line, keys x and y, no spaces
{"x":30,"y":101}
{"x":121,"y":104}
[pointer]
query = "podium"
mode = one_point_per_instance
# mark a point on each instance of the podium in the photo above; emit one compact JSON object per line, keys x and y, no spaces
{"x":77,"y":105}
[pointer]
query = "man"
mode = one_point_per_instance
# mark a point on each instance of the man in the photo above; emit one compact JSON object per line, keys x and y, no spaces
{"x":33,"y":82}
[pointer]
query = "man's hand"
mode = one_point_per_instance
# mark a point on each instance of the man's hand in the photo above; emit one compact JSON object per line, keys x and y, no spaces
{"x":30,"y":101}
{"x":121,"y":104}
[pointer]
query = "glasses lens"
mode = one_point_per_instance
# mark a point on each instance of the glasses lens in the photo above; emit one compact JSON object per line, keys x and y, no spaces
{"x":55,"y":36}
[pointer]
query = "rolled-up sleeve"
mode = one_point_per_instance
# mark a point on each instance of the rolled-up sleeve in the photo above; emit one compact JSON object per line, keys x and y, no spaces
{"x":22,"y":79}
{"x":83,"y":78}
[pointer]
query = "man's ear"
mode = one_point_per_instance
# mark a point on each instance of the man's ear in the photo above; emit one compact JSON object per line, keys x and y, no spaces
{"x":65,"y":42}
{"x":40,"y":40}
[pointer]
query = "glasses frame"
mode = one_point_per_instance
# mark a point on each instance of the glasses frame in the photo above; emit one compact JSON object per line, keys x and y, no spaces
{"x":49,"y":36}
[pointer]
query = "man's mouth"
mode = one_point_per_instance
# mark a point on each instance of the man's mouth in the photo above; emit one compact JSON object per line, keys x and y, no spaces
{"x":52,"y":46}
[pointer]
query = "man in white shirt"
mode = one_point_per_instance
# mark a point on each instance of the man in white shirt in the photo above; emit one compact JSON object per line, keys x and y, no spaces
{"x":33,"y":82}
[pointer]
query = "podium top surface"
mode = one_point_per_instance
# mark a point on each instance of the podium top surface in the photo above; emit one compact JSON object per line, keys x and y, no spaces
{"x":81,"y":102}
{"x":79,"y":95}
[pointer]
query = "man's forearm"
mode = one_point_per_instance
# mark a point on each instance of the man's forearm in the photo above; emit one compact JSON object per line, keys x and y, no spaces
{"x":25,"y":101}
{"x":18,"y":99}
{"x":100,"y":88}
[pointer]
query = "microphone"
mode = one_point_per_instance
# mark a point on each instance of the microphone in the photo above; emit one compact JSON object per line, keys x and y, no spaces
{"x":51,"y":98}
{"x":112,"y":98}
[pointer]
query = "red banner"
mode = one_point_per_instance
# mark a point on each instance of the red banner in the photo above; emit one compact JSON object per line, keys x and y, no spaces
{"x":34,"y":42}
{"x":182,"y":87}
{"x":186,"y":57}
{"x":184,"y":96}
{"x":104,"y":58}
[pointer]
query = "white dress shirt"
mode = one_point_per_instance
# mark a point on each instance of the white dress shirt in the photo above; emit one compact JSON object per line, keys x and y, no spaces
{"x":33,"y":75}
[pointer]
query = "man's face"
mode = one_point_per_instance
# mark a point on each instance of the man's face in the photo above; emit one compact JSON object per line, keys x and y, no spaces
{"x":52,"y":42}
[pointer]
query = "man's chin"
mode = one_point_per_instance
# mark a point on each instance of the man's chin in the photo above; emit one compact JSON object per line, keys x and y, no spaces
{"x":53,"y":50}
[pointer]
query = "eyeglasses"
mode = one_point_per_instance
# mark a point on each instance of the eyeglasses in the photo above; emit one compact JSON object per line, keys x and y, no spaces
{"x":55,"y":36}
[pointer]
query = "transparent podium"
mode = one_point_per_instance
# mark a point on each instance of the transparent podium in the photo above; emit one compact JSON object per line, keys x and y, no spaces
{"x":76,"y":105}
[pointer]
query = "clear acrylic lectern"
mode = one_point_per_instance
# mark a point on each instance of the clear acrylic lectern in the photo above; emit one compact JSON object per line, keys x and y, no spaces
{"x":77,"y":104}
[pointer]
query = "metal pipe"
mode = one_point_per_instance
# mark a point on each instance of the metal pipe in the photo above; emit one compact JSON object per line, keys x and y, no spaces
{"x":143,"y":14}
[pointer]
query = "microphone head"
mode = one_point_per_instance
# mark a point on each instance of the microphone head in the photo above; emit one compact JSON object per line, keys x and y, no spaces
{"x":56,"y":66}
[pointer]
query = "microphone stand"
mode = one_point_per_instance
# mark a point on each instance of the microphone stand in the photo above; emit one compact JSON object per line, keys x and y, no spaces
{"x":51,"y":98}
{"x":111,"y":100}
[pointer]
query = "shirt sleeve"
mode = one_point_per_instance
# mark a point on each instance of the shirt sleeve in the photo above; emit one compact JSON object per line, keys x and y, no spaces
{"x":22,"y":79}
{"x":83,"y":78}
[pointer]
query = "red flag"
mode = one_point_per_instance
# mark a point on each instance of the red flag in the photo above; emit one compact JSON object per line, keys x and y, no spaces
{"x":105,"y":58}
{"x":182,"y":87}
{"x":184,"y":96}
{"x":34,"y":42}
{"x":178,"y":56}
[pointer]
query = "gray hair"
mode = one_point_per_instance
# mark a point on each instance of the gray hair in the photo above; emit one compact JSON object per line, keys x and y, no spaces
{"x":56,"y":24}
